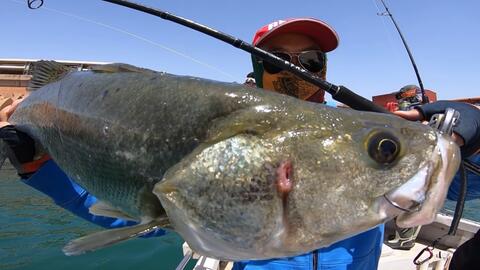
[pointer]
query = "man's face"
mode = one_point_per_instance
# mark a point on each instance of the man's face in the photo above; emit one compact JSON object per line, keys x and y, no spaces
{"x":285,"y":82}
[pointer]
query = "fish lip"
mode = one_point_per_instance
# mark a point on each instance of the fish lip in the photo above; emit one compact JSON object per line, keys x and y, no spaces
{"x":410,"y":196}
{"x":439,"y":172}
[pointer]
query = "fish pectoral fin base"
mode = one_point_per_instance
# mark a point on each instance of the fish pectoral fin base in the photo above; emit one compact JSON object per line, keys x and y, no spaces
{"x":119,"y":67}
{"x":107,"y":238}
{"x":45,"y":72}
{"x":102,"y":208}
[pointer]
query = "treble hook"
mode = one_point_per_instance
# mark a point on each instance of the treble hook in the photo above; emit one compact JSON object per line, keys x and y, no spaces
{"x":34,"y":4}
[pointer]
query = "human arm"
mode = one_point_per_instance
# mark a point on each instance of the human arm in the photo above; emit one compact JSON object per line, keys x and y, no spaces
{"x":53,"y":182}
{"x":18,"y":146}
{"x":7,"y":111}
{"x":466,"y":132}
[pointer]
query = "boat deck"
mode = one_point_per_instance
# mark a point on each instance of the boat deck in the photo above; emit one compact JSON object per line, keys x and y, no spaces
{"x":393,"y":259}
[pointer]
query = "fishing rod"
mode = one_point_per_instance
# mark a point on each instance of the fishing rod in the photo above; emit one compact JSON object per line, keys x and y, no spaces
{"x":419,"y":79}
{"x":339,"y":93}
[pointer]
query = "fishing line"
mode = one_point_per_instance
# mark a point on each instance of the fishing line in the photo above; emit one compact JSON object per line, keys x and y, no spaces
{"x":395,"y":49}
{"x":419,"y":79}
{"x":129,"y":34}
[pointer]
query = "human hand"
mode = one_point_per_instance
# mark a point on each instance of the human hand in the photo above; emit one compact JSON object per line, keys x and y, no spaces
{"x":466,"y":132}
{"x":21,"y":145}
{"x":392,"y":106}
{"x":7,"y":111}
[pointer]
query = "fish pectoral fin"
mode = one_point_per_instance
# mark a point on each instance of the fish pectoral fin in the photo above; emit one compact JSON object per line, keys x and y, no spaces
{"x":119,"y":67}
{"x":107,"y":238}
{"x":45,"y":72}
{"x":102,"y":208}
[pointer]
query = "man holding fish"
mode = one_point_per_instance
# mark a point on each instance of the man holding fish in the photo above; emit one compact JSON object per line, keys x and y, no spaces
{"x":290,"y":202}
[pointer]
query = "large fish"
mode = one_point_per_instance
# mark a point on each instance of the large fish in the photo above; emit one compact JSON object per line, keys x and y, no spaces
{"x":239,"y":173}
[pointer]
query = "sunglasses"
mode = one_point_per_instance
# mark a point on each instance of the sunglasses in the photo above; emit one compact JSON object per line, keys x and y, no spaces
{"x":313,"y":61}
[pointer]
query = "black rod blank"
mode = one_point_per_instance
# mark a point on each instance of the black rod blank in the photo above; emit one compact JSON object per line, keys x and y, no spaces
{"x":339,"y":93}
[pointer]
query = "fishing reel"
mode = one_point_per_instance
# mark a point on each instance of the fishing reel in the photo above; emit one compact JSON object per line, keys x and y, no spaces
{"x":444,"y":122}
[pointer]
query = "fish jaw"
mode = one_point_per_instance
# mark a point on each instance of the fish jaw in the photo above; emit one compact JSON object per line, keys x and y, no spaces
{"x":423,"y":195}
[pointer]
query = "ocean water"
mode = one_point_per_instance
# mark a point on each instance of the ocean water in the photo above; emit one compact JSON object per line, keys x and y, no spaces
{"x":33,"y":230}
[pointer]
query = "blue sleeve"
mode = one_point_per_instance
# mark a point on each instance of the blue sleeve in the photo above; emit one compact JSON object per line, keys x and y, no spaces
{"x":53,"y":182}
{"x":473,"y":183}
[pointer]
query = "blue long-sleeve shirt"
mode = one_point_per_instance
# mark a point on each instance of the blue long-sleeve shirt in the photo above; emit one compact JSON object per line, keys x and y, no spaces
{"x":53,"y":182}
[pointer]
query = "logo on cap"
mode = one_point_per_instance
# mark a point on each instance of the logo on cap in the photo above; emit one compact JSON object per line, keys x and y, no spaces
{"x":275,"y":24}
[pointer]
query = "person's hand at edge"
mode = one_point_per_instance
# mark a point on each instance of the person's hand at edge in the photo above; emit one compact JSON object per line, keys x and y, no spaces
{"x":22,"y":146}
{"x":6,"y":112}
{"x":466,"y":132}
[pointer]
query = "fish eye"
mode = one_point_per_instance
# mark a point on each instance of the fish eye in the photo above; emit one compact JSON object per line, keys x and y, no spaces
{"x":383,"y":148}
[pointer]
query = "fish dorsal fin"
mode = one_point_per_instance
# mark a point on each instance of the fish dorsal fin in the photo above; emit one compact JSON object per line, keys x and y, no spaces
{"x":104,"y":209}
{"x":109,"y":237}
{"x":119,"y":67}
{"x":45,"y":72}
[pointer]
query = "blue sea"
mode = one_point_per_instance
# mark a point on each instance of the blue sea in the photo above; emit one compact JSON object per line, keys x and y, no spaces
{"x":33,"y":230}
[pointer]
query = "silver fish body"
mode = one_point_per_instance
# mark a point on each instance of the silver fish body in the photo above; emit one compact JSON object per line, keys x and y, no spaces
{"x":241,"y":173}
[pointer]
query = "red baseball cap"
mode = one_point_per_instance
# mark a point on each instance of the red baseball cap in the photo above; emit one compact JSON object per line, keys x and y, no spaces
{"x":318,"y":30}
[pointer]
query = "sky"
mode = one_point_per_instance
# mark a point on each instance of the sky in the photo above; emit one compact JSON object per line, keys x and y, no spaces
{"x":443,"y":35}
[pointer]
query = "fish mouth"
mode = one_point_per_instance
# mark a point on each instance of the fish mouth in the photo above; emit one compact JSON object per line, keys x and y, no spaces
{"x":418,"y":201}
